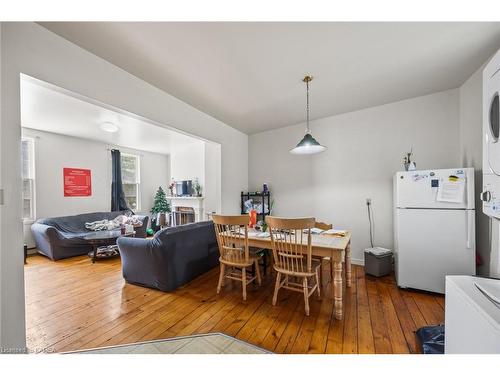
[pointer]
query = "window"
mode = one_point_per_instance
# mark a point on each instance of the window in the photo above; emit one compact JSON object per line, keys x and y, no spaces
{"x":28,"y":175}
{"x":131,"y":180}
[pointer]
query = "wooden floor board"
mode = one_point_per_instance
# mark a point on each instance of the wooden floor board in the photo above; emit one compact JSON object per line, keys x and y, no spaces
{"x":350,"y":334}
{"x":366,"y":344}
{"x":405,"y":320}
{"x":432,"y":311}
{"x":73,"y":304}
{"x":396,"y":336}
{"x":319,"y":337}
{"x":305,"y":333}
{"x":381,"y":338}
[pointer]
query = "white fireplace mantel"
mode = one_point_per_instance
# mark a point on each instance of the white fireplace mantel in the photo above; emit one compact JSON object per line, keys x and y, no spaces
{"x":195,"y":202}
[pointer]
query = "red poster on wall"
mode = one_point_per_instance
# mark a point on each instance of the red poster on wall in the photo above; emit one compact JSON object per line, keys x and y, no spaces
{"x":77,"y":182}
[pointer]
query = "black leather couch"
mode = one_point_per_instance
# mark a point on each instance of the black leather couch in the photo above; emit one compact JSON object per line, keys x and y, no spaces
{"x":173,"y":257}
{"x":61,"y":237}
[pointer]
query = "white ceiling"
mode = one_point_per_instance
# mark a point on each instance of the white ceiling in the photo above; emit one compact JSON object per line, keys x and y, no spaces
{"x":44,"y":107}
{"x":249,"y":74}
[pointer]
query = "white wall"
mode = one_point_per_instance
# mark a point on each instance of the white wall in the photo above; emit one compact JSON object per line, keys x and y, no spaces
{"x":31,"y":49}
{"x":3,"y":336}
{"x":212,"y":188}
{"x":365,"y":149}
{"x":53,"y":152}
{"x":188,"y":162}
{"x":471,"y":149}
{"x":201,"y":160}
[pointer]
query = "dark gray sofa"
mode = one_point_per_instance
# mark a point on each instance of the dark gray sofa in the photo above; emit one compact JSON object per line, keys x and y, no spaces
{"x":173,"y":257}
{"x":61,"y":237}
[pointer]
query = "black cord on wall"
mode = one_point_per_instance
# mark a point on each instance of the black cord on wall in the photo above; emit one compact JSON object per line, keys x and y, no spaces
{"x":368,"y":206}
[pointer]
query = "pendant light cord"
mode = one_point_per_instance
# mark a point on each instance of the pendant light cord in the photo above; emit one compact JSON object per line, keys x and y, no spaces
{"x":307,"y":107}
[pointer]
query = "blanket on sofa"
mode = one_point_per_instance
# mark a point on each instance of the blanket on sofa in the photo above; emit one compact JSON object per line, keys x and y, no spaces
{"x":114,"y":224}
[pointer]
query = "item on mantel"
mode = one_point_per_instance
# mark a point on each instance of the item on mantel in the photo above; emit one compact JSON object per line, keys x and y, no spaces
{"x":171,"y":187}
{"x":197,"y":187}
{"x":184,"y":188}
{"x":265,"y":189}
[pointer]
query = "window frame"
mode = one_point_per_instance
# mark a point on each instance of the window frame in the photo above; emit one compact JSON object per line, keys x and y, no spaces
{"x":137,"y":177}
{"x":31,"y":179}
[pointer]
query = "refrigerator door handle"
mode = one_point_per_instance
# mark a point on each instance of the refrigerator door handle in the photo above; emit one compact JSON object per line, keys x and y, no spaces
{"x":470,"y":226}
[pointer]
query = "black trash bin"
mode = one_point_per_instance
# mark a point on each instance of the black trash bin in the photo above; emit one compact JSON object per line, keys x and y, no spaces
{"x":378,"y":264}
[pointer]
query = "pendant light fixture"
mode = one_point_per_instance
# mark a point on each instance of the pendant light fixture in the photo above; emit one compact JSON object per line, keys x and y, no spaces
{"x":308,"y":145}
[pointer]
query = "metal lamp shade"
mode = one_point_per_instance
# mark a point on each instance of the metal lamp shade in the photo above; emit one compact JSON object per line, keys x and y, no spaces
{"x":307,"y":146}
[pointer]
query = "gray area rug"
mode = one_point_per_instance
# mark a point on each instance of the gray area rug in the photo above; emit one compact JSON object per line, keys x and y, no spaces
{"x":212,"y":343}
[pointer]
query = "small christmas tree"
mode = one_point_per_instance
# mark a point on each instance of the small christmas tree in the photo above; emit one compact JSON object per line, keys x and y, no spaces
{"x":160,"y":204}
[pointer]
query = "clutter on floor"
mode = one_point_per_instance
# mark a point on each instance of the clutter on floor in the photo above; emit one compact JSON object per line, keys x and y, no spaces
{"x":431,"y":339}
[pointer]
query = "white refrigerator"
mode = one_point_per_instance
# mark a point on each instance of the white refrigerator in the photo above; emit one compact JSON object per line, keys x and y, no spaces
{"x":434,"y":227}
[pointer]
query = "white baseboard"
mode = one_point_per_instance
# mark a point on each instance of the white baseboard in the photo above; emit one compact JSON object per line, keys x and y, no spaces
{"x":358,"y":262}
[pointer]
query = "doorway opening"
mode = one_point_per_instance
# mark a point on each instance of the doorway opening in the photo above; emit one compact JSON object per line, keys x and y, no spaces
{"x":67,"y":181}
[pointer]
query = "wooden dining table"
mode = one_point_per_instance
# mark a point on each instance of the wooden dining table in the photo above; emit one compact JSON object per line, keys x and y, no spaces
{"x":335,"y":247}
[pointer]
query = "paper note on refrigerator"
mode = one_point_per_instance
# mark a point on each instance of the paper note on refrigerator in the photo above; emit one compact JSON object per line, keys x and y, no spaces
{"x":451,"y":191}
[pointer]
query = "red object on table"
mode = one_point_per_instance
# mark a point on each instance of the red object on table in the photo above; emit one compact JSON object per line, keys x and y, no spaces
{"x":253,"y":218}
{"x":77,"y":182}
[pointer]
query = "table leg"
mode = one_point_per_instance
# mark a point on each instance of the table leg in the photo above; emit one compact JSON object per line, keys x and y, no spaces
{"x":348,"y":264}
{"x":337,"y":288}
{"x":94,"y":255}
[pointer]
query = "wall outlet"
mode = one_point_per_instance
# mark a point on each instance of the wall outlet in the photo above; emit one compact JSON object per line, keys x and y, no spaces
{"x":368,"y":201}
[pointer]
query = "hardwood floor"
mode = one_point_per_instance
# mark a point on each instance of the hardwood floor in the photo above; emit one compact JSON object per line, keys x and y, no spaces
{"x":74,"y":304}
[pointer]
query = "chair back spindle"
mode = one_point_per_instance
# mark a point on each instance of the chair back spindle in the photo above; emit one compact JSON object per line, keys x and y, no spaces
{"x":232,"y":238}
{"x":288,"y":237}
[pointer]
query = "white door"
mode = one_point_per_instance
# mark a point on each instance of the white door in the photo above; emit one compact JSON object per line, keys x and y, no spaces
{"x":432,"y":244}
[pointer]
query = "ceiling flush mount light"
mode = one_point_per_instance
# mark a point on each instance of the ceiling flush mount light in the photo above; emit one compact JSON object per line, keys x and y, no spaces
{"x":109,"y":127}
{"x":308,"y":145}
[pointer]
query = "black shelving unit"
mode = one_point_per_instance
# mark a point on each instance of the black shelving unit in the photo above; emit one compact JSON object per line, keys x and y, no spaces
{"x":264,"y":198}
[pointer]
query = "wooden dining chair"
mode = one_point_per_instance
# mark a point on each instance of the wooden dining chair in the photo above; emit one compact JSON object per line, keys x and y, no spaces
{"x":323,"y":260}
{"x":235,"y":258}
{"x":291,"y":259}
